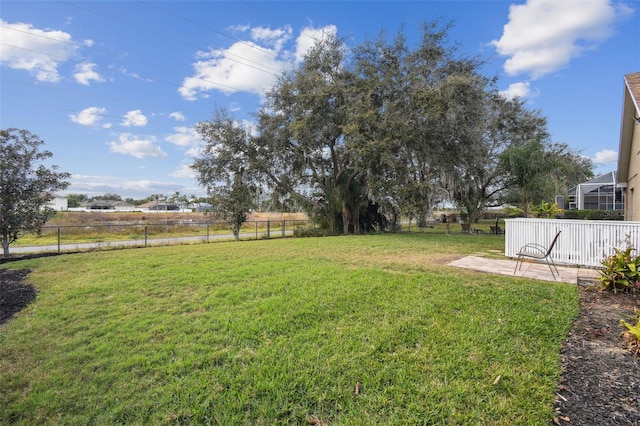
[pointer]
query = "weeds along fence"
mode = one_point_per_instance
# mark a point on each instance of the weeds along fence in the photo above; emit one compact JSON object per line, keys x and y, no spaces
{"x":96,"y":236}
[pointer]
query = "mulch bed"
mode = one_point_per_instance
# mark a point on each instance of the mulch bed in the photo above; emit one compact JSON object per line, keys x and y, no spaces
{"x":600,"y":383}
{"x":15,"y":293}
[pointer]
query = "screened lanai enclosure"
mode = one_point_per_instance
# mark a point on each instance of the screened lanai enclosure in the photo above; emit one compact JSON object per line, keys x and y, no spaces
{"x":600,"y":193}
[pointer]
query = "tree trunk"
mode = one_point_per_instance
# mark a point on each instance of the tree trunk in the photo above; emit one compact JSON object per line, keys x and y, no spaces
{"x":5,"y":246}
{"x":346,"y":220}
{"x":525,"y":203}
{"x":356,"y":222}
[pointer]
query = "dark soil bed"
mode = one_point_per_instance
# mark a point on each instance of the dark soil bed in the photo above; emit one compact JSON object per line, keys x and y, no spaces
{"x":600,"y":383}
{"x":15,"y":293}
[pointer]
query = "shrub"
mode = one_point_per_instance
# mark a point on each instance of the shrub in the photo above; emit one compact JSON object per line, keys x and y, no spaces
{"x":621,"y":272}
{"x":547,"y":210}
{"x":632,"y":336}
{"x":593,"y":214}
{"x":312,"y":231}
{"x":512,"y":211}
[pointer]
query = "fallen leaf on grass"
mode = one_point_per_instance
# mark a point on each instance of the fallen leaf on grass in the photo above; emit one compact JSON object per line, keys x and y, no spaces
{"x":556,"y":420}
{"x":315,"y":421}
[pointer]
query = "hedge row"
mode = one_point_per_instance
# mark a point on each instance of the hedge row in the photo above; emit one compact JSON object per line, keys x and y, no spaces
{"x":592,"y":214}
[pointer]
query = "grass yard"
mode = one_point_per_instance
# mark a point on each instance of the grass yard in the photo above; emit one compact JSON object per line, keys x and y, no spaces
{"x":317,"y":331}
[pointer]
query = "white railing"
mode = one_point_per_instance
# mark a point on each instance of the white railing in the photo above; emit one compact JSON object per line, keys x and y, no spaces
{"x":581,"y":242}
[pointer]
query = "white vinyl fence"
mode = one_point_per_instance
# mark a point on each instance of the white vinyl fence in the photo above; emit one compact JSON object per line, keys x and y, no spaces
{"x":581,"y":242}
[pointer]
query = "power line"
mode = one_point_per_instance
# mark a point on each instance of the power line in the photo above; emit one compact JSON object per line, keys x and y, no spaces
{"x":230,"y":56}
{"x":35,"y":51}
{"x":140,"y":75}
{"x":42,"y":36}
{"x":253,"y":46}
{"x":98,"y":114}
{"x":66,"y":90}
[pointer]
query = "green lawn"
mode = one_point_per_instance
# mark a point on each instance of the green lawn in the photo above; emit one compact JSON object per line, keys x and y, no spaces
{"x":282,"y":332}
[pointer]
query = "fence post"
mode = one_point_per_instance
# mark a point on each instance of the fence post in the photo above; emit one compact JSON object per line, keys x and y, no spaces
{"x":268,"y":229}
{"x":256,"y":230}
{"x":283,"y":225}
{"x":208,"y":231}
{"x":58,"y":240}
{"x":146,"y":234}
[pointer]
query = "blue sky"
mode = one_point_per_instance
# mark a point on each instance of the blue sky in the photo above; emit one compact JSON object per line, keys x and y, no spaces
{"x":114,"y":87}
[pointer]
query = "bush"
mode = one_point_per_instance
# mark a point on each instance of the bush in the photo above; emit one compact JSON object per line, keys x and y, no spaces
{"x":620,"y":272}
{"x":593,"y":214}
{"x":312,"y":231}
{"x":546,"y":210}
{"x":632,"y":336}
{"x":512,"y":211}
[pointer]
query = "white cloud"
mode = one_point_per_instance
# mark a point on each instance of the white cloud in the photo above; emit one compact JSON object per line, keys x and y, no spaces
{"x":40,"y":52}
{"x":248,"y":66}
{"x":184,"y":137}
{"x":195,"y":151}
{"x":244,"y":67}
{"x":85,"y":73}
{"x":543,"y":36}
{"x":606,"y":156}
{"x":239,"y":28}
{"x":177,"y":115}
{"x":309,"y":37}
{"x":184,"y":171}
{"x":520,"y":90}
{"x":134,"y":118}
{"x":274,"y":38}
{"x":129,"y":144}
{"x":90,"y":117}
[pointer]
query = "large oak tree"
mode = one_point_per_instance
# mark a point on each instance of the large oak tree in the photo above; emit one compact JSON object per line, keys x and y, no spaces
{"x":383,"y":127}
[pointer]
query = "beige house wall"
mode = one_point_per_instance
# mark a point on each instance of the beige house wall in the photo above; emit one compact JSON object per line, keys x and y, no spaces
{"x":629,"y":147}
{"x":632,"y":202}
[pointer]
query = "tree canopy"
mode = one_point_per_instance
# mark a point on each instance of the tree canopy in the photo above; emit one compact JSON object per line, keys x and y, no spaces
{"x":26,"y":184}
{"x":536,"y":171}
{"x":364,"y":135}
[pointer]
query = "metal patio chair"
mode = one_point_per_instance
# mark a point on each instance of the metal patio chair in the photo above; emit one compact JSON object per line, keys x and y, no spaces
{"x":538,"y":252}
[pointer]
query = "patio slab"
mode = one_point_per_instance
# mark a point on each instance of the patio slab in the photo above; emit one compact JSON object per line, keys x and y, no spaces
{"x":536,"y":271}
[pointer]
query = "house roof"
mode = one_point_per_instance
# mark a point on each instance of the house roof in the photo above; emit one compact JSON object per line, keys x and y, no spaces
{"x":107,"y":203}
{"x":151,"y":204}
{"x":608,"y":178}
{"x":630,"y":112}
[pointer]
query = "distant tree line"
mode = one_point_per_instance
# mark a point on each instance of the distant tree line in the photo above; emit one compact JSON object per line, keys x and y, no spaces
{"x":359,"y":137}
{"x":78,"y":200}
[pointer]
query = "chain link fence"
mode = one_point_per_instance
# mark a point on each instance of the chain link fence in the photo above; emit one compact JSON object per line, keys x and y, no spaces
{"x":64,"y":238}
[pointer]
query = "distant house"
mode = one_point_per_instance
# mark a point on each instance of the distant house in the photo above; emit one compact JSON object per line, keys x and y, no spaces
{"x":109,"y":205}
{"x":599,"y":193}
{"x":629,"y":148}
{"x":158,"y":206}
{"x":58,"y":203}
{"x":201,"y":207}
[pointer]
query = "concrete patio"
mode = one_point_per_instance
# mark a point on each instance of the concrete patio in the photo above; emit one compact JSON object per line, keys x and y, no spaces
{"x":536,"y":271}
